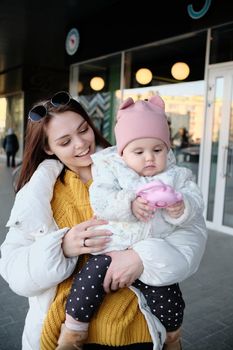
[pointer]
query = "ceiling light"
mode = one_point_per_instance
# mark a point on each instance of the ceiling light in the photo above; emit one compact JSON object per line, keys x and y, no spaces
{"x":144,"y":76}
{"x":80,"y":86}
{"x":180,"y":70}
{"x":97,"y":83}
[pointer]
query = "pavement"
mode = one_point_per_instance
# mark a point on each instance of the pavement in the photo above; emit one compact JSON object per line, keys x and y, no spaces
{"x":208,"y":321}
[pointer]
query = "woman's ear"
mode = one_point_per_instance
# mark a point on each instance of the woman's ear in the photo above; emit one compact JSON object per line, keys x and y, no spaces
{"x":50,"y":153}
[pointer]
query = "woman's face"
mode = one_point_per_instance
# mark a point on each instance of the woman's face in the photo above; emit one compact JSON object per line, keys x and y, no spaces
{"x":71,"y":139}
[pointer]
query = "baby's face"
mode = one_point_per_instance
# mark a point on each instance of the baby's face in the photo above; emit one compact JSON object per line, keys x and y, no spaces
{"x":147,"y":157}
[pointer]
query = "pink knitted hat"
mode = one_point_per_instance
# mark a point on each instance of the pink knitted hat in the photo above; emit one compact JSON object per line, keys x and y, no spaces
{"x":141,"y":119}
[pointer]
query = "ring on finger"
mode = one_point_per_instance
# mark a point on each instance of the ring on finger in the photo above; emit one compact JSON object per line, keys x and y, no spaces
{"x":84,"y":242}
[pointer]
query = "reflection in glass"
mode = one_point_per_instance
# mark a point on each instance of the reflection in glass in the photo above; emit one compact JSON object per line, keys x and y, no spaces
{"x":228,"y":199}
{"x":11,"y":116}
{"x":184,"y":108}
{"x":101,"y":103}
{"x":217,"y":117}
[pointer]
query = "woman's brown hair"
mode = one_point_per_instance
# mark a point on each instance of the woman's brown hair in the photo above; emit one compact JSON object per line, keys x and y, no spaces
{"x":36,"y":140}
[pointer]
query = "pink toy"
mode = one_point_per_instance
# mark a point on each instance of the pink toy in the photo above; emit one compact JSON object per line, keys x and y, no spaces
{"x":158,"y":194}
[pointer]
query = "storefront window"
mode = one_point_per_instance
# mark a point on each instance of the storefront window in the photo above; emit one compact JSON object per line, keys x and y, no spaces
{"x":147,"y":71}
{"x":161,"y":60}
{"x":95,"y":84}
{"x":182,"y":90}
{"x":11,"y":116}
{"x":184,"y":109}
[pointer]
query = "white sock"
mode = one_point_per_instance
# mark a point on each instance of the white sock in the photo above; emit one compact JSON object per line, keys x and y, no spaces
{"x":78,"y":326}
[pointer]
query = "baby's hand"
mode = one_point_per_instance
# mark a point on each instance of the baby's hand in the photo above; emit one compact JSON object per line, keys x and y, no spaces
{"x":176,"y":210}
{"x":142,"y":210}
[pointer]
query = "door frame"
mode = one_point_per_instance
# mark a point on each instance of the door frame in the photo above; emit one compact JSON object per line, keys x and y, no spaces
{"x":217,"y":70}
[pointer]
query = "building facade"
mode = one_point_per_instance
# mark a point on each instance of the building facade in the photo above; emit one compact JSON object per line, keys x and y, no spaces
{"x":198,"y":103}
{"x":181,"y":50}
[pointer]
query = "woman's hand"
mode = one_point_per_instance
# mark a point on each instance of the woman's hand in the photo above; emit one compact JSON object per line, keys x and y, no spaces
{"x":125,"y":268}
{"x":84,"y":239}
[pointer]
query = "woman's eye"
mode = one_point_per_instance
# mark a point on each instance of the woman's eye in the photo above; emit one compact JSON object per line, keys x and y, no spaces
{"x":81,"y":131}
{"x":66,"y":142}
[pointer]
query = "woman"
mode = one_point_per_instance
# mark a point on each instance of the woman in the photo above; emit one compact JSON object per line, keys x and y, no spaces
{"x":43,"y":246}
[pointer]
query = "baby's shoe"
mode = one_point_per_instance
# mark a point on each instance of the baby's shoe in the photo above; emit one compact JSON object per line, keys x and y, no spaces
{"x":171,"y":346}
{"x":70,"y":339}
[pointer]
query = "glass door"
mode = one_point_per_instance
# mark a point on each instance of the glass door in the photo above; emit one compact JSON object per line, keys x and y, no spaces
{"x":217,"y":171}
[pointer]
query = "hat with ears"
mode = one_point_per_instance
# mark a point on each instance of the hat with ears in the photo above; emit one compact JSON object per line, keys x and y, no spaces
{"x":141,"y":119}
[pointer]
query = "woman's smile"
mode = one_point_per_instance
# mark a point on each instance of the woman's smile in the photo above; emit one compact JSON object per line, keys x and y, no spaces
{"x":84,"y":153}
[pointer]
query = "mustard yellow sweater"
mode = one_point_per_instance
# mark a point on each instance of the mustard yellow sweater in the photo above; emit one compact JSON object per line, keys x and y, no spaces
{"x":119,"y":320}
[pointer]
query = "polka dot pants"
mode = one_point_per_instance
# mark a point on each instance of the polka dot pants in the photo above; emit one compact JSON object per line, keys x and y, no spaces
{"x":166,"y":303}
{"x":87,"y":293}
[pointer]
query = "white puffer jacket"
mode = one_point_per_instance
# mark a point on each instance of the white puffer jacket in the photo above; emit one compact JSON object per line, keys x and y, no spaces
{"x":33,"y":264}
{"x":114,"y":188}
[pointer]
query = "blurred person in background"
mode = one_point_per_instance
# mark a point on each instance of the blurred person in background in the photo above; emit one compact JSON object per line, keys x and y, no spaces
{"x":181,"y":138}
{"x":11,"y":147}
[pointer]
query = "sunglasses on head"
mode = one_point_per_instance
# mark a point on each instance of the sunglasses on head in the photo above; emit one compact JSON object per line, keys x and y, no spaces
{"x":61,"y":98}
